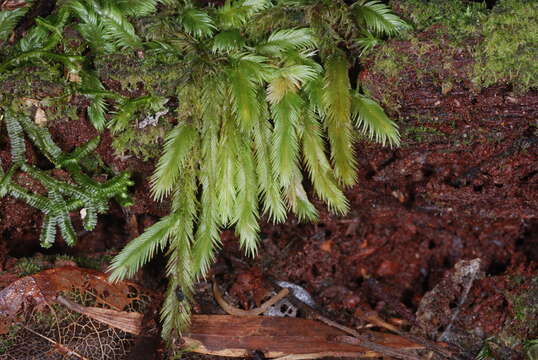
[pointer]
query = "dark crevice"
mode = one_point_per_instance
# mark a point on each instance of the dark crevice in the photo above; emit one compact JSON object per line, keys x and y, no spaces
{"x":528,"y":176}
{"x":42,"y":8}
{"x":496,"y":268}
{"x":528,"y":242}
{"x":370,"y":174}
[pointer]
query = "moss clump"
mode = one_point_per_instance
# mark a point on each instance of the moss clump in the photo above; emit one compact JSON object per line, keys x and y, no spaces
{"x":522,"y":328}
{"x":502,"y":41}
{"x":28,"y":266}
{"x":422,"y":134}
{"x":460,"y":18}
{"x":509,"y":50}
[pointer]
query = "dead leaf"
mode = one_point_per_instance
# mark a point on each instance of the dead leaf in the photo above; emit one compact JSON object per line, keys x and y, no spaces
{"x":13,"y":4}
{"x":31,"y":102}
{"x":74,"y":77}
{"x":130,"y":322}
{"x":40,"y":118}
{"x":326,"y":246}
{"x":75,"y":311}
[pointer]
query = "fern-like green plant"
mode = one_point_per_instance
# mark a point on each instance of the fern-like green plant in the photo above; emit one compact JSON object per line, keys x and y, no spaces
{"x":258,"y":103}
{"x":84,"y":194}
{"x":8,"y":21}
{"x":264,"y":93}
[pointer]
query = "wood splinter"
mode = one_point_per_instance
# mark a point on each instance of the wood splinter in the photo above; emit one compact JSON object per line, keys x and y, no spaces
{"x":232,"y":310}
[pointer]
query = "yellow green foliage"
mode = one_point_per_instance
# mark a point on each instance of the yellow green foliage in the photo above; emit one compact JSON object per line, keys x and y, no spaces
{"x":509,"y":49}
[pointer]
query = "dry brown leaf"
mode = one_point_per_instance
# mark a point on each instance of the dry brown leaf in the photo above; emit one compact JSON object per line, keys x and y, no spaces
{"x":130,"y":322}
{"x":74,"y":77}
{"x":31,"y":102}
{"x":13,"y":4}
{"x":40,"y":117}
{"x":96,"y":320}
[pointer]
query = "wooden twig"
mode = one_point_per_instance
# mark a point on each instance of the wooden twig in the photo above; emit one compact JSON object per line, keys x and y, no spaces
{"x":130,"y":322}
{"x":430,"y":345}
{"x":232,"y":310}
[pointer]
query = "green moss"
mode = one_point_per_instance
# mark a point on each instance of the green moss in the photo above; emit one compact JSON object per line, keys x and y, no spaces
{"x":156,"y":77}
{"x":422,"y":133}
{"x":95,"y":263}
{"x":522,"y":328}
{"x":389,"y":62}
{"x":531,"y":349}
{"x":508,"y":52}
{"x":503,"y":43}
{"x":459,"y":17}
{"x":7,"y":340}
{"x":30,"y":82}
{"x":143,"y":143}
{"x":28,"y":266}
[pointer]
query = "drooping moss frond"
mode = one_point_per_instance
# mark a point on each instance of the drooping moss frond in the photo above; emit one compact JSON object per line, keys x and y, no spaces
{"x":298,"y":200}
{"x":285,"y":149}
{"x":207,"y":236}
{"x":371,"y":119}
{"x":175,"y":312}
{"x":8,"y":21}
{"x":263,"y":93}
{"x":177,"y":149}
{"x":319,"y":167}
{"x":246,"y":217}
{"x":336,"y":100}
{"x":378,"y":17}
{"x":228,"y":162}
{"x":269,"y":186}
{"x":142,"y":249}
{"x":197,"y":22}
{"x":243,"y":91}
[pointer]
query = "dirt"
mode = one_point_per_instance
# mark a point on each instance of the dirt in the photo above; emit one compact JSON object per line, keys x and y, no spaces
{"x":462,"y":186}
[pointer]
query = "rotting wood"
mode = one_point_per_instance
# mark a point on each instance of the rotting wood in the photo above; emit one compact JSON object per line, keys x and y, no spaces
{"x":292,"y":338}
{"x":316,"y":314}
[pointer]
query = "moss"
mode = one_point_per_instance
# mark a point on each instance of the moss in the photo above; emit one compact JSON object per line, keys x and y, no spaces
{"x":389,"y":63}
{"x":29,"y":266}
{"x":143,"y":143}
{"x":522,"y":328}
{"x":502,"y":42}
{"x":508,"y":52}
{"x":459,"y":17}
{"x":31,"y":83}
{"x":531,"y":349}
{"x":155,"y":77}
{"x":95,"y":263}
{"x":422,"y":133}
{"x":7,"y":340}
{"x":148,"y":76}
